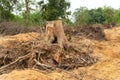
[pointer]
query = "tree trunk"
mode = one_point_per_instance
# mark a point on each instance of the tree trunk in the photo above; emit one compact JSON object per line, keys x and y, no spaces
{"x":55,"y":33}
{"x":27,"y":12}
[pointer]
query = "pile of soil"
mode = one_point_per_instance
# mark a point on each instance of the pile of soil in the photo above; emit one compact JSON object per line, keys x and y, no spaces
{"x":89,"y":31}
{"x":30,"y":51}
{"x":6,"y":41}
{"x":108,"y":66}
{"x":12,"y":28}
{"x":82,"y":59}
{"x":112,"y":34}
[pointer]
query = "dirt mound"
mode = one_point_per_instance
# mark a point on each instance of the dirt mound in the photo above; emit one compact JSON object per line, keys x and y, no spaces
{"x":112,"y":34}
{"x":8,"y":40}
{"x":89,"y":31}
{"x":24,"y":75}
{"x":25,"y":52}
{"x":26,"y":36}
{"x":81,"y":59}
{"x":108,"y":49}
{"x":103,"y":70}
{"x":108,"y":66}
{"x":12,"y":28}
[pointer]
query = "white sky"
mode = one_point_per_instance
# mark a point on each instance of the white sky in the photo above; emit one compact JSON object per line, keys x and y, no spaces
{"x":94,"y":4}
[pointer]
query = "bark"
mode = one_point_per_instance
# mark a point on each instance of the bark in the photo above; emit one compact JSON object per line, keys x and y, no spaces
{"x":27,"y":12}
{"x":55,"y":33}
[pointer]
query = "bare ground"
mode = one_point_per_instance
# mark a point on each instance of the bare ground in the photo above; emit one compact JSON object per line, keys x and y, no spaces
{"x":106,"y":66}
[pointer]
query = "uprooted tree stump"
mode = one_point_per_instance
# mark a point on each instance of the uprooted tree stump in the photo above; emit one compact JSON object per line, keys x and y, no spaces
{"x":55,"y":33}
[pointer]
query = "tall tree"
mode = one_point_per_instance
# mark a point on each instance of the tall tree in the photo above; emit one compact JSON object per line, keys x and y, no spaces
{"x":117,"y":16}
{"x":27,"y":11}
{"x":96,"y":16}
{"x":6,"y":8}
{"x":81,"y":16}
{"x":109,"y":14}
{"x":25,"y":8}
{"x":54,"y":9}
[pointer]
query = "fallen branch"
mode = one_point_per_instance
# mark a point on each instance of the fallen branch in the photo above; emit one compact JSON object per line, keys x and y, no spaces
{"x":43,"y":65}
{"x":18,"y":59}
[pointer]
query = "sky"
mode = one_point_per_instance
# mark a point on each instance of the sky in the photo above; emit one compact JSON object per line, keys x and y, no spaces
{"x":90,"y":4}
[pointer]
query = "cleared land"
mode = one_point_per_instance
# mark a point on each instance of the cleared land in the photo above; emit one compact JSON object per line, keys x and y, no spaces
{"x":83,"y":59}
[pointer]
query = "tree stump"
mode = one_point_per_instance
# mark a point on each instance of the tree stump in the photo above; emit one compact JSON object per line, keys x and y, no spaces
{"x":55,"y":33}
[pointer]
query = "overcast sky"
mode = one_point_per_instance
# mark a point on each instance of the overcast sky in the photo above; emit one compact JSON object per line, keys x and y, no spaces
{"x":94,"y":4}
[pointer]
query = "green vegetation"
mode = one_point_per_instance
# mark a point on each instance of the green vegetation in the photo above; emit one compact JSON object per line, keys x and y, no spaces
{"x":30,"y":12}
{"x":54,"y":9}
{"x":105,"y":15}
{"x":6,"y":8}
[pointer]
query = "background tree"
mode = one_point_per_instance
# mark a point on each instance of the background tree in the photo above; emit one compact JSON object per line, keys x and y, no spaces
{"x":27,"y":11}
{"x":117,"y":16}
{"x":96,"y":16}
{"x":54,"y":9}
{"x":105,"y":15}
{"x":37,"y":11}
{"x":109,"y":14}
{"x":81,"y":16}
{"x":6,"y":8}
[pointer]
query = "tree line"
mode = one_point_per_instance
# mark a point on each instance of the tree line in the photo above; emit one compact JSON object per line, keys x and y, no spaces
{"x":37,"y":11}
{"x":104,"y":15}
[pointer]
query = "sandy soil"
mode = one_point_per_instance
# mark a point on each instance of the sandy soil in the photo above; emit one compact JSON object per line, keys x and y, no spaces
{"x":106,"y":68}
{"x":24,"y":75}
